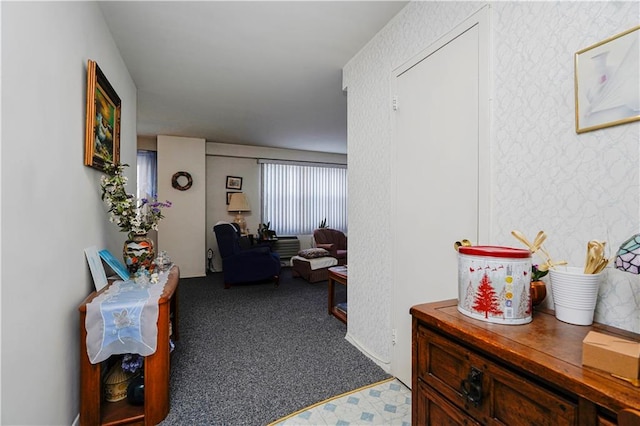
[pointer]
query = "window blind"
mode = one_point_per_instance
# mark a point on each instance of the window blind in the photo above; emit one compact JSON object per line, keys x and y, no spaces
{"x":296,"y":197}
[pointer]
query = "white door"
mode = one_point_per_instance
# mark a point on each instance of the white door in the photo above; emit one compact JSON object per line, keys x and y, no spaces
{"x":441,"y":130}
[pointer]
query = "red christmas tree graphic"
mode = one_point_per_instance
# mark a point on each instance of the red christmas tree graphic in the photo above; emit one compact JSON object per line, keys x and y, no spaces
{"x":486,"y":300}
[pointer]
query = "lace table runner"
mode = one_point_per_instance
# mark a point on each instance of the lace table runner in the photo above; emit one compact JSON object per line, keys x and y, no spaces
{"x":123,"y":319}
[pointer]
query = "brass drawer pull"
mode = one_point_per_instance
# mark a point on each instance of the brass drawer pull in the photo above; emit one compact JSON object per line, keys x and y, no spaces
{"x":471,"y":387}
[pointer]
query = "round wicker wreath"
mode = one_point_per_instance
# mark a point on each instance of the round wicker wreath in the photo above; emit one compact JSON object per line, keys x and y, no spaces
{"x":176,"y":184}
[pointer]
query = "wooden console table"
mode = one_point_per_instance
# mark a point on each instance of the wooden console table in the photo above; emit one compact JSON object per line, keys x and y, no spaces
{"x":466,"y":371}
{"x":94,"y":410}
{"x":337,"y":274}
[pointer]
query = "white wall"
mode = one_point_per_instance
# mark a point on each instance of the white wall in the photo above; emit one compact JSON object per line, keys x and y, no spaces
{"x":220,"y":160}
{"x":241,"y":160}
{"x":218,"y":168}
{"x":544,"y":176}
{"x":182,"y":231}
{"x":51,"y":207}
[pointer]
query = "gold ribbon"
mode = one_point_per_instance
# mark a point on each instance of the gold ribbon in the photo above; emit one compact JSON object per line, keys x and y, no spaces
{"x":537,"y":246}
{"x":463,"y":243}
{"x":537,"y":242}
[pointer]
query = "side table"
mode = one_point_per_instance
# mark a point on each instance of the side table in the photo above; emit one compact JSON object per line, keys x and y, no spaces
{"x":93,"y":409}
{"x":337,"y":274}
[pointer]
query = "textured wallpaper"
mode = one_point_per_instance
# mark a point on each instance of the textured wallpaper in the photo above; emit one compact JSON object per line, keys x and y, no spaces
{"x":544,"y":176}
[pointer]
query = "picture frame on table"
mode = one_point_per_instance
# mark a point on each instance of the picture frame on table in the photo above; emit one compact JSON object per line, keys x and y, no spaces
{"x":234,"y":182}
{"x":102,"y":125}
{"x":229,"y":194}
{"x":114,"y":264}
{"x":95,"y":265}
{"x":606,"y":82}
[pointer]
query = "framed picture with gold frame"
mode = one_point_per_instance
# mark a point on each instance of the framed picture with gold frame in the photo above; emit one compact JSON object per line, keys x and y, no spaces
{"x":607,"y":76}
{"x":102,"y":132}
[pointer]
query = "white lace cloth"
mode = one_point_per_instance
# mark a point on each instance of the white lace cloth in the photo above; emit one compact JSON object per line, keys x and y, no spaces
{"x":123,"y":319}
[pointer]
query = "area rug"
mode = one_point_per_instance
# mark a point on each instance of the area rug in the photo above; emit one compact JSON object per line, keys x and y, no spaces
{"x":387,"y":402}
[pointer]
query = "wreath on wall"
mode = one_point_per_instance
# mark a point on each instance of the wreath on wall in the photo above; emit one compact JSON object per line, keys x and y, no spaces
{"x":176,"y":178}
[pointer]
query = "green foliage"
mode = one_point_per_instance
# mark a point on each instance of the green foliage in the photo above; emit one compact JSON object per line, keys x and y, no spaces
{"x":536,"y":273}
{"x":130,"y":214}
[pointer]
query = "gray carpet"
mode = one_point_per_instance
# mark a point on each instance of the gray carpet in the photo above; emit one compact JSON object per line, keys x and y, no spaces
{"x":255,"y":353}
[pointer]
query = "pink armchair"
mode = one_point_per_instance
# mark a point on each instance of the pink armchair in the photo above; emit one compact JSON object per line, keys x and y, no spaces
{"x":334,"y":241}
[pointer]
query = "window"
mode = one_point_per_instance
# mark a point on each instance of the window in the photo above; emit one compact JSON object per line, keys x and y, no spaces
{"x":296,"y":197}
{"x":147,"y":175}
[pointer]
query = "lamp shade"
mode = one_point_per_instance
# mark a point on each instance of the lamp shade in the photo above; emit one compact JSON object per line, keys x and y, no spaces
{"x":238,"y":203}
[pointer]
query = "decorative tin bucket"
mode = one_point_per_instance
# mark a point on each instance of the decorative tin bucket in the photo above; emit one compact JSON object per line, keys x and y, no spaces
{"x":493,"y":284}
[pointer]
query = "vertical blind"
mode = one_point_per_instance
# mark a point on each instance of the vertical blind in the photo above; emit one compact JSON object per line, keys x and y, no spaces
{"x":297,"y":197}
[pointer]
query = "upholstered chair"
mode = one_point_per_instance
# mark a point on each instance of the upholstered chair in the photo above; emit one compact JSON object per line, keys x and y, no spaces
{"x":334,"y":241}
{"x":242,"y":265}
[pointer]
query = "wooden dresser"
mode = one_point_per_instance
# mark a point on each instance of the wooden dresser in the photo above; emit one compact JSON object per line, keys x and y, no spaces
{"x":466,"y":371}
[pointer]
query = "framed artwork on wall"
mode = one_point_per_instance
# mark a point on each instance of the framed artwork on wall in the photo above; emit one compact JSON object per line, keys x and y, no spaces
{"x":607,"y":76}
{"x":102,"y":129}
{"x":234,"y":182}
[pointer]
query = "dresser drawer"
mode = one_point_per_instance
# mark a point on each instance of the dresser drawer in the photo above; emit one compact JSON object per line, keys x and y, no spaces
{"x":435,"y":410}
{"x":487,"y":391}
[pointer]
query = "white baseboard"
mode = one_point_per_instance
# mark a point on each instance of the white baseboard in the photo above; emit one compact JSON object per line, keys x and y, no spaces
{"x":385,"y":365}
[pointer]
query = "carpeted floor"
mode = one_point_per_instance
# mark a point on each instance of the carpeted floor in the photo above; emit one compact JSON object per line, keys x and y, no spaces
{"x":255,"y":353}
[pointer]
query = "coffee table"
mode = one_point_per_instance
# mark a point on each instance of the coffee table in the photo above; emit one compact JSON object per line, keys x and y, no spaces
{"x":337,"y":274}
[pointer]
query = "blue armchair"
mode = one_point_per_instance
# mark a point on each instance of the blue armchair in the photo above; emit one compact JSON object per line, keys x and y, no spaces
{"x":244,"y":265}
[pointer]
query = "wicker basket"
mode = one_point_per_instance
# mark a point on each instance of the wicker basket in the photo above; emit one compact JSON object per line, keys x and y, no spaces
{"x":116,"y":383}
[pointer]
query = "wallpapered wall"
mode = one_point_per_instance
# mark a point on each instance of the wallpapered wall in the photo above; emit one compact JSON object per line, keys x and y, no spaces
{"x":574,"y":187}
{"x":544,"y":175}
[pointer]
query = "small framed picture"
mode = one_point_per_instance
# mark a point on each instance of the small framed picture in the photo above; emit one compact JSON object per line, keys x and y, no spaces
{"x":229,"y":194}
{"x":95,"y":265}
{"x":234,"y":182}
{"x":102,"y":133}
{"x":114,"y":264}
{"x":606,"y":82}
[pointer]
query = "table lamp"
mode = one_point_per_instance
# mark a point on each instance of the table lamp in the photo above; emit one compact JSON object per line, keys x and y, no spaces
{"x":238,"y":203}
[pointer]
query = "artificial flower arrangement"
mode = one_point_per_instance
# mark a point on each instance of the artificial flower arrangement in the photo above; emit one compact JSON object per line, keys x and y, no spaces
{"x":125,"y":210}
{"x":131,"y":363}
{"x":537,"y":273}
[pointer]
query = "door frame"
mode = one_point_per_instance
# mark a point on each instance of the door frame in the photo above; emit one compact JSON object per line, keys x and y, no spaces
{"x":482,"y":19}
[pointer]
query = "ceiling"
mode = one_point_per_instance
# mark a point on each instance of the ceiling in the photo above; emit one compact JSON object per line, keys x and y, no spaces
{"x":262,"y":73}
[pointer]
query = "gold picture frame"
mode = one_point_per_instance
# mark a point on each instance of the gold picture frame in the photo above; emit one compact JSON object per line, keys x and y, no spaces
{"x":607,"y":88}
{"x":102,"y":131}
